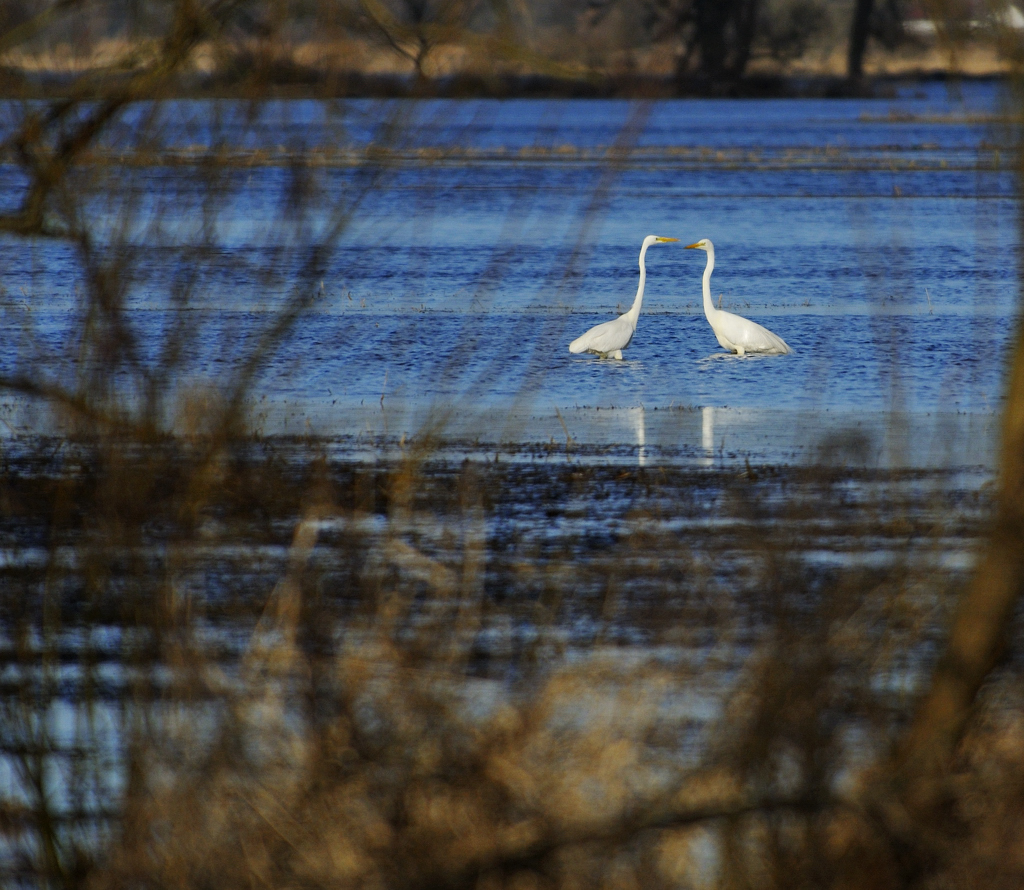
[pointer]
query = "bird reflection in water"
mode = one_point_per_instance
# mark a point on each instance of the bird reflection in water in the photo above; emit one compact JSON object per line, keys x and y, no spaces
{"x":707,"y":436}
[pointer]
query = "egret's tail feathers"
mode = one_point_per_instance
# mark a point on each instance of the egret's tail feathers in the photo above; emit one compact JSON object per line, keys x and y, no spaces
{"x":754,"y":338}
{"x":578,"y":345}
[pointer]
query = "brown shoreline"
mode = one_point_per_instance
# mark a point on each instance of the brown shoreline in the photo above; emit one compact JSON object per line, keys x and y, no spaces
{"x":297,"y":82}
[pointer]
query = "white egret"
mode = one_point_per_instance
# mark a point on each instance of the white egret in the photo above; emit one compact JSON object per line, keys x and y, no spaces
{"x":735,"y":333}
{"x":609,"y":338}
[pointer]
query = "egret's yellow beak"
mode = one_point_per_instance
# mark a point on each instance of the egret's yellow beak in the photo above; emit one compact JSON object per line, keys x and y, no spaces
{"x":688,"y":246}
{"x":668,"y":239}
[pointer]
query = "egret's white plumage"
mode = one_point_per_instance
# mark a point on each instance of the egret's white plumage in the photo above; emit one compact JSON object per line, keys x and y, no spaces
{"x":609,"y":338}
{"x":735,"y":333}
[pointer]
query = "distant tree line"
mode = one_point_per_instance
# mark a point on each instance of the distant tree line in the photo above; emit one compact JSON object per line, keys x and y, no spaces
{"x":712,"y":41}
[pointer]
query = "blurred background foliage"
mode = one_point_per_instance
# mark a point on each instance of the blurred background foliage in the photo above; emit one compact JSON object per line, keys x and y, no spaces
{"x":234,"y":662}
{"x":469,"y":46}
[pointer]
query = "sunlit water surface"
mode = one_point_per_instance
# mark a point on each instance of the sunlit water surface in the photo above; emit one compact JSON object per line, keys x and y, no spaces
{"x":878,"y":237}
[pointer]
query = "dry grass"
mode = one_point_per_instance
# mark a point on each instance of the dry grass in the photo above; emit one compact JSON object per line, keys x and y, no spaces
{"x":395,"y":695}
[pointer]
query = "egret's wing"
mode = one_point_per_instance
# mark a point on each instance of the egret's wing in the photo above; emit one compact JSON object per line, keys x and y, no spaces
{"x":605,"y":337}
{"x":751,"y":336}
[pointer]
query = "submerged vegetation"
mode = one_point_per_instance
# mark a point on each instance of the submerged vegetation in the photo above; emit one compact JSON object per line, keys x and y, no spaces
{"x":233,"y":660}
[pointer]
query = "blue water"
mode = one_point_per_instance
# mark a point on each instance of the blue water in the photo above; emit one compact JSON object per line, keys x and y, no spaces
{"x":878,"y":237}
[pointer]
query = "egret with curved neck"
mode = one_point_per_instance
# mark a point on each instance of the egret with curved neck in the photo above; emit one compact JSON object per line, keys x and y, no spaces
{"x":735,"y":333}
{"x":609,"y":338}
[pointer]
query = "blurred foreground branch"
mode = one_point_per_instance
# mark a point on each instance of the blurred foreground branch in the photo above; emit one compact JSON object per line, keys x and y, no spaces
{"x":51,"y":139}
{"x":919,"y":790}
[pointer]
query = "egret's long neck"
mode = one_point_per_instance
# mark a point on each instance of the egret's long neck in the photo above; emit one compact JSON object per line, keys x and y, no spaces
{"x":634,"y":312}
{"x":709,"y":307}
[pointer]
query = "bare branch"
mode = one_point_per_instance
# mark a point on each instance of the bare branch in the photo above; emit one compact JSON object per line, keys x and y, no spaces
{"x":193,"y":23}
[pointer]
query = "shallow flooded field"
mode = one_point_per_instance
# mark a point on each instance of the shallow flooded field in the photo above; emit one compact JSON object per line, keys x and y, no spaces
{"x":303,"y":493}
